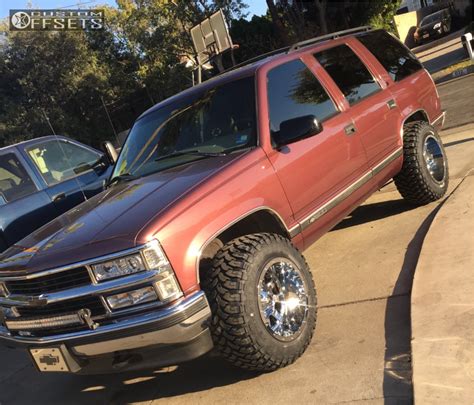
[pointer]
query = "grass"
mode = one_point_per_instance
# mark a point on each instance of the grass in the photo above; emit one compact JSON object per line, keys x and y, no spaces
{"x":458,"y":66}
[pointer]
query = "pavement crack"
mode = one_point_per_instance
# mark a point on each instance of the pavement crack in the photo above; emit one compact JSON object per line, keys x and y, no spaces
{"x":341,"y":304}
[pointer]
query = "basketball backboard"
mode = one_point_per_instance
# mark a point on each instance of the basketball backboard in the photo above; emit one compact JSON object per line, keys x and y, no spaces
{"x":211,"y":37}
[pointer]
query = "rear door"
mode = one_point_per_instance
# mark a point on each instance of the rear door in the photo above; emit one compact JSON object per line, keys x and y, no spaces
{"x":372,"y":108}
{"x":315,"y":169}
{"x":24,"y":206}
{"x":67,"y":169}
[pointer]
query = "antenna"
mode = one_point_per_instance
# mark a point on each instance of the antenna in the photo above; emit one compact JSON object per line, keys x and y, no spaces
{"x":48,"y":121}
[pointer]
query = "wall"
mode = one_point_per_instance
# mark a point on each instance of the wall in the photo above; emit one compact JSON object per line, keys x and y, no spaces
{"x":406,"y":25}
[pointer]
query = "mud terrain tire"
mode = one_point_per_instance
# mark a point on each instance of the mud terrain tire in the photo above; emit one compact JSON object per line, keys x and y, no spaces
{"x":241,"y":270}
{"x":424,"y":176}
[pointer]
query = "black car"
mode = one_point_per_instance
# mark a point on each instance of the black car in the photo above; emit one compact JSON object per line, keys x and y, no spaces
{"x":433,"y":26}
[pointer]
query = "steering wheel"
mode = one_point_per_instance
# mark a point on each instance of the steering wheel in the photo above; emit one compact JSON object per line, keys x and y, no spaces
{"x":244,"y":123}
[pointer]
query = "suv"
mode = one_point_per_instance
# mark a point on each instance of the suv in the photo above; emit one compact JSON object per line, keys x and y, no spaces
{"x":196,"y":242}
{"x":41,"y":179}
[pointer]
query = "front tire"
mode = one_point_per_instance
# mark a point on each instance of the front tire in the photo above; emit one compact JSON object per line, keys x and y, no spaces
{"x":424,"y":177}
{"x":263,"y":302}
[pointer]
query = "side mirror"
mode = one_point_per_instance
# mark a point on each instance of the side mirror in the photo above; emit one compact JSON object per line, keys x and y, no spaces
{"x":110,"y":152}
{"x":296,"y":129}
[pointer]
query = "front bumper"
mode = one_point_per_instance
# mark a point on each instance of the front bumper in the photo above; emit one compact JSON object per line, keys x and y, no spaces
{"x":155,"y":339}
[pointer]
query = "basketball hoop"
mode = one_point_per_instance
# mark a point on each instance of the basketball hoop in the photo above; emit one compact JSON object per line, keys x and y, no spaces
{"x":211,"y":38}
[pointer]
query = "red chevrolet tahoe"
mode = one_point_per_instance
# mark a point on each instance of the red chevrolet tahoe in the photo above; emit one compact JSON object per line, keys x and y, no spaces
{"x":196,"y":241}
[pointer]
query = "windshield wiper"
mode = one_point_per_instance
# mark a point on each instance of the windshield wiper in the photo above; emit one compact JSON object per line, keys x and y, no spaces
{"x":120,"y":178}
{"x":195,"y":152}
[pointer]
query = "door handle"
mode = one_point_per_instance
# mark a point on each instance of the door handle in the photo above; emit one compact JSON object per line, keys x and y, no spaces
{"x":391,"y":104}
{"x":350,"y":129}
{"x":59,"y":197}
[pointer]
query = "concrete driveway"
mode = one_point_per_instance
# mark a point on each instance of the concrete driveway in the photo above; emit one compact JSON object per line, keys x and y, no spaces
{"x":361,"y":350}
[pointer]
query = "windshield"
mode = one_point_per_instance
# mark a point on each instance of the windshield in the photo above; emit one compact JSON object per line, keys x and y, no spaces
{"x":432,"y":18}
{"x":216,"y":120}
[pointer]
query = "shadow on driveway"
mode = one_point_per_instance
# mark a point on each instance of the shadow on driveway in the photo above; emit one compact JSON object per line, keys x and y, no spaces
{"x":202,"y":374}
{"x":374,"y":211}
{"x":397,"y":379}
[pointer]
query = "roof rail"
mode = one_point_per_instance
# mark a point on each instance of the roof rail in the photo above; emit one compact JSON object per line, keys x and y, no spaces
{"x":299,"y":45}
{"x":332,"y":35}
{"x":259,"y":57}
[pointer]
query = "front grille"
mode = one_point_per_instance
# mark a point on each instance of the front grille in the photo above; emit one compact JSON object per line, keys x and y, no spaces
{"x":94,"y":304}
{"x":50,"y":283}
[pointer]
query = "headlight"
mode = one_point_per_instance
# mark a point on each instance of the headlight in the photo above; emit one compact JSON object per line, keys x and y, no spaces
{"x":123,"y":266}
{"x":151,"y":257}
{"x":130,"y":298}
{"x":437,"y":25}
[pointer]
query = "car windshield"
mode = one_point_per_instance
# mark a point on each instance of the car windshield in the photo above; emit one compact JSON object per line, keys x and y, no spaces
{"x":429,"y":19}
{"x":202,"y":124}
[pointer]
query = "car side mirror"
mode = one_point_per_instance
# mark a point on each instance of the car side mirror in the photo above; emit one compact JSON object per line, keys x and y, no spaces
{"x":296,"y":129}
{"x":110,"y":152}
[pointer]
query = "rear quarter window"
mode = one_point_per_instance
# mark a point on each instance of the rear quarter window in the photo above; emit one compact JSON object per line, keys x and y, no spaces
{"x":348,"y":72}
{"x":397,"y":60}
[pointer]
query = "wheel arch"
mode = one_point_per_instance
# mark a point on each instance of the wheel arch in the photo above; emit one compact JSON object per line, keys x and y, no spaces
{"x":261,"y":219}
{"x":418,"y":115}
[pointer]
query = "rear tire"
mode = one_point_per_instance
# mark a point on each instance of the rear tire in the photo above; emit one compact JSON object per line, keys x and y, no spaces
{"x":424,"y":177}
{"x":253,"y":281}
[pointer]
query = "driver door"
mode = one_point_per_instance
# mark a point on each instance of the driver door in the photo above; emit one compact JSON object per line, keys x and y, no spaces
{"x":315,"y":169}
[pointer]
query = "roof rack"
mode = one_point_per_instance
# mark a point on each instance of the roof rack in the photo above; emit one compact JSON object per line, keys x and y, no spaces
{"x":332,"y":35}
{"x":259,"y":57}
{"x":301,"y":44}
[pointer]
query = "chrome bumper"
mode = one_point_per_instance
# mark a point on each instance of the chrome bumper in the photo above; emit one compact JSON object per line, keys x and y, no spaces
{"x":165,"y":337}
{"x":179,"y":317}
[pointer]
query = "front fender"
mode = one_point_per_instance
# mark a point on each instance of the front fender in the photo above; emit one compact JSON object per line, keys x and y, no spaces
{"x":245,"y":186}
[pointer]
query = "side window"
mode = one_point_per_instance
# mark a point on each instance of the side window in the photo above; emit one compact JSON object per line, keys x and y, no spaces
{"x":59,"y":161}
{"x":15,"y":182}
{"x":348,"y":72}
{"x":397,"y":60}
{"x":293,"y":91}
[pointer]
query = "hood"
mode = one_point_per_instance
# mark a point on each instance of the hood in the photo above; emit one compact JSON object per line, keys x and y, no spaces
{"x":108,"y":222}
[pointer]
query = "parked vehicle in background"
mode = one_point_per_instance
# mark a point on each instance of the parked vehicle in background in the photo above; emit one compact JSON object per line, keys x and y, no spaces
{"x":41,"y":179}
{"x":197,"y":241}
{"x":433,"y":26}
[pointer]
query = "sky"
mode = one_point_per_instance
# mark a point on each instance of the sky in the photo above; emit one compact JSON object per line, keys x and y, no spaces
{"x":256,"y":7}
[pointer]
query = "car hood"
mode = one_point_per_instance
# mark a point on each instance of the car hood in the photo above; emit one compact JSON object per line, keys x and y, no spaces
{"x":110,"y":221}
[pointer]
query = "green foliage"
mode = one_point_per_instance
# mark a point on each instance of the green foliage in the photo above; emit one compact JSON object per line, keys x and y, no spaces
{"x":140,"y":59}
{"x":54,"y":74}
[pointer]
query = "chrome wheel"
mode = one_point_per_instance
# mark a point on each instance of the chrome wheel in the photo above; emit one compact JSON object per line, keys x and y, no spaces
{"x":434,"y":159}
{"x":283,"y":299}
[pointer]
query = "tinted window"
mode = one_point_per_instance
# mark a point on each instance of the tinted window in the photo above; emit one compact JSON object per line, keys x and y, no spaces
{"x":348,"y":72}
{"x":14,"y":180}
{"x":210,"y":120}
{"x":293,"y":91}
{"x":59,"y":161}
{"x":393,"y":56}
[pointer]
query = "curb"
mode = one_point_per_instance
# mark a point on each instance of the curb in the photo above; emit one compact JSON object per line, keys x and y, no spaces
{"x":454,"y":75}
{"x":442,"y":307}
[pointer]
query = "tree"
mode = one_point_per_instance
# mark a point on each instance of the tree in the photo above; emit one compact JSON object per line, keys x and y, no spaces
{"x":321,"y":7}
{"x":50,"y":75}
